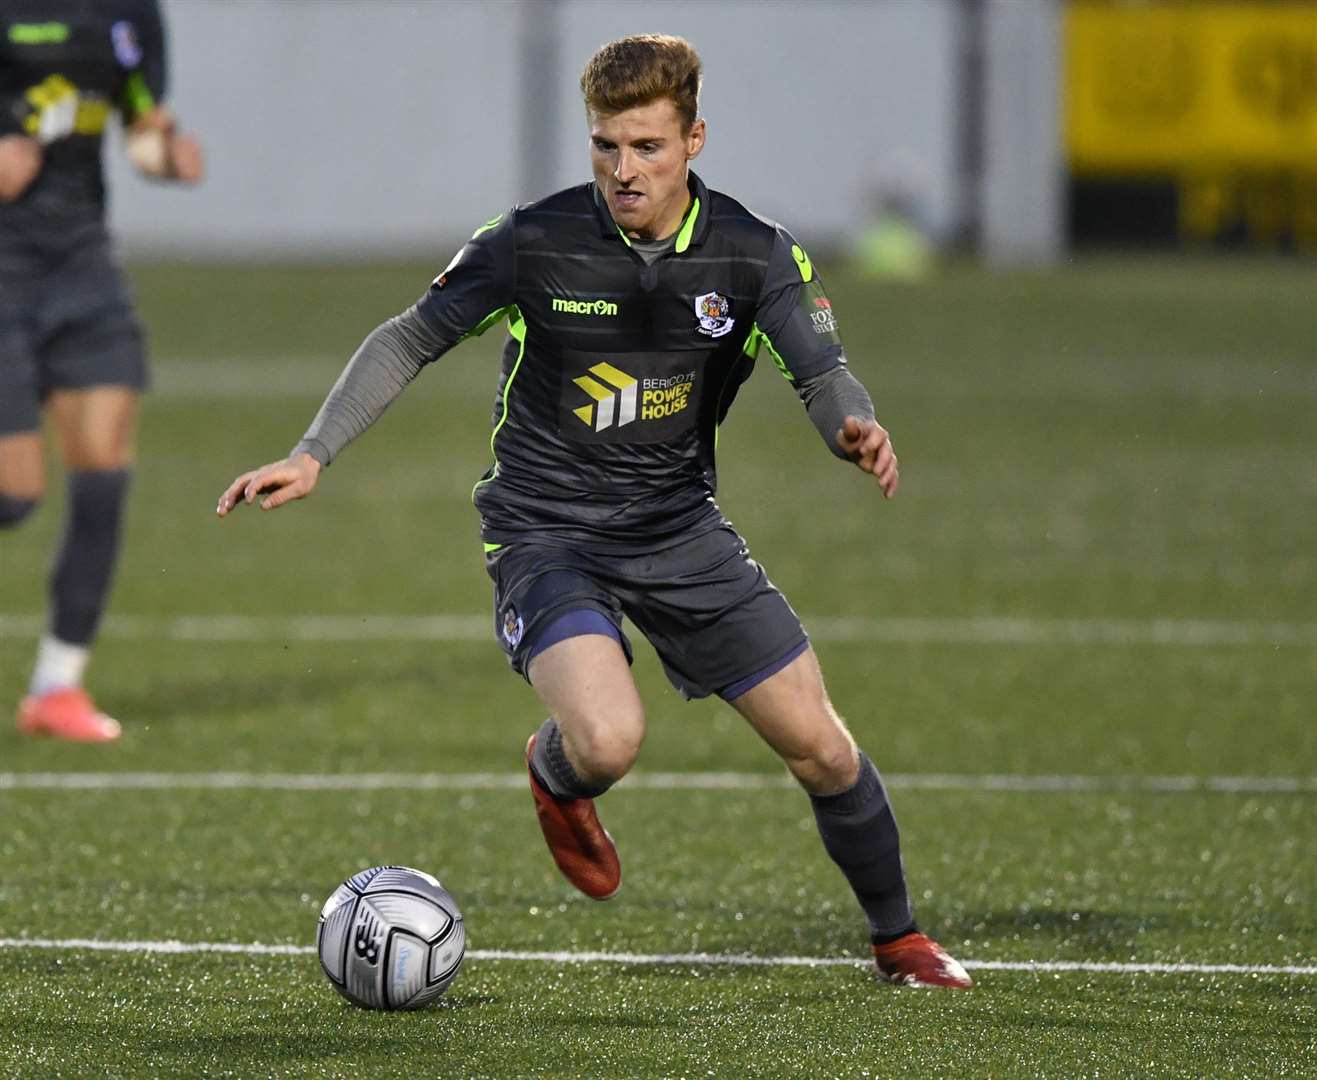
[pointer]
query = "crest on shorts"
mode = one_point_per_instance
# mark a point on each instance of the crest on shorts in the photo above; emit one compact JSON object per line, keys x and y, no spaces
{"x":513,"y":627}
{"x":714,"y":311}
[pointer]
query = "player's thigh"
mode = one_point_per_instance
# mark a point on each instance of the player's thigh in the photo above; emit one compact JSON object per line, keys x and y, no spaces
{"x":560,"y":629}
{"x":22,"y":470}
{"x":92,"y":357}
{"x":791,"y":712}
{"x":585,"y":683}
{"x":717,"y":622}
{"x":96,"y":426}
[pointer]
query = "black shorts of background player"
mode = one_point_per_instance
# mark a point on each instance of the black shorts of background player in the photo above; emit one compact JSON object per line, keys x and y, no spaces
{"x":70,"y":343}
{"x":636,"y":306}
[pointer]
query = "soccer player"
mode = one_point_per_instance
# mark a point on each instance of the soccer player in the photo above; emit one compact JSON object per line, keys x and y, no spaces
{"x":69,"y":341}
{"x":636,"y":306}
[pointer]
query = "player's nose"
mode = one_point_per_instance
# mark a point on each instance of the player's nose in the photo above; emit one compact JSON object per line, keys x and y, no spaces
{"x":626,"y":168}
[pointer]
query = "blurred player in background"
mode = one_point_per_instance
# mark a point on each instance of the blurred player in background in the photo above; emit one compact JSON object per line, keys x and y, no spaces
{"x":637,"y":306}
{"x":69,"y":341}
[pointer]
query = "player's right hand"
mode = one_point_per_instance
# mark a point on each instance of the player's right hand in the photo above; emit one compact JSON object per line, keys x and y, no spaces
{"x":279,"y":482}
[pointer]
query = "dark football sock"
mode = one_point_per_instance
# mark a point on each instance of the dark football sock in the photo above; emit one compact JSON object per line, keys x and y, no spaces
{"x":859,"y":832}
{"x":548,"y":761}
{"x":84,"y":563}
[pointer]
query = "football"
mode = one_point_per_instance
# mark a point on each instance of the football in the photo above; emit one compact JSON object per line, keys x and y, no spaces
{"x":391,"y":938}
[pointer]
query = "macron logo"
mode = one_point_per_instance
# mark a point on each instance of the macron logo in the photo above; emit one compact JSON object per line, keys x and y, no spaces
{"x":584,"y":307}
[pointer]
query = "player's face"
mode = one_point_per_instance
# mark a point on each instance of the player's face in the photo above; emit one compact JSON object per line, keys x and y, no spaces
{"x":640,"y":160}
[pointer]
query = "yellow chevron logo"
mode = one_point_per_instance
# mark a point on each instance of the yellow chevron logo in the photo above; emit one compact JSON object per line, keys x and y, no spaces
{"x":614,"y":394}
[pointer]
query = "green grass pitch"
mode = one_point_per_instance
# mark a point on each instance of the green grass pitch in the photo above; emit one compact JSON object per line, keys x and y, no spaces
{"x":1108,"y":477}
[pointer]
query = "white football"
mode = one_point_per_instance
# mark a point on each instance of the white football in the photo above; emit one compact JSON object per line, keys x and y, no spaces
{"x":391,"y":938}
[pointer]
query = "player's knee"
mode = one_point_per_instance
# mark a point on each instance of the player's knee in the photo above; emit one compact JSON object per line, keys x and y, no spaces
{"x":14,"y":510}
{"x":608,"y":752}
{"x":831,"y":766}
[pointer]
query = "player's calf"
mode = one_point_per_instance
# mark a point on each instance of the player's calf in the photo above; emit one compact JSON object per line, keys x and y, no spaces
{"x":859,"y":832}
{"x":89,"y":548}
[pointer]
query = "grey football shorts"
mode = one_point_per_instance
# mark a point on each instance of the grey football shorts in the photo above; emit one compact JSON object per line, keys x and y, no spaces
{"x":69,"y":328}
{"x":716,"y":621}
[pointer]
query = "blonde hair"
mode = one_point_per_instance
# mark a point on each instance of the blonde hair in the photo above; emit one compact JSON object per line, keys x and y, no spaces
{"x":643,"y":68}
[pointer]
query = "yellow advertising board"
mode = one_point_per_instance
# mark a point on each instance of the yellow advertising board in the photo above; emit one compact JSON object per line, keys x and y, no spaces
{"x":1179,"y":87}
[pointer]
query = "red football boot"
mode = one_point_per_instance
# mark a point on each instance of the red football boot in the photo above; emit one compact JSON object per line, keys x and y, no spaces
{"x":918,"y":960}
{"x":66,"y":714}
{"x":579,"y":845}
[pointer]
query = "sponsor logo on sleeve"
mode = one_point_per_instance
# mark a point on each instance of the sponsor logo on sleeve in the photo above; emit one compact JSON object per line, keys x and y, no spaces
{"x":825,"y":322}
{"x":713,"y":310}
{"x":815,"y":305}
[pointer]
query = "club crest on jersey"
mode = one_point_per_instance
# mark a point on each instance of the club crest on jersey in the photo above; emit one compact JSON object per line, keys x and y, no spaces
{"x":714,"y":311}
{"x":513,"y":627}
{"x":126,"y":49}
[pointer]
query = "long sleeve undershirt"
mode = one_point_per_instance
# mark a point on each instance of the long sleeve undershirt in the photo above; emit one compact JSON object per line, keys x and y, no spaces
{"x":391,"y":357}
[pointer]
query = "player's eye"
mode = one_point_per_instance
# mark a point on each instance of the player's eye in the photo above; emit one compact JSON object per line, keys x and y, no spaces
{"x":603,"y":146}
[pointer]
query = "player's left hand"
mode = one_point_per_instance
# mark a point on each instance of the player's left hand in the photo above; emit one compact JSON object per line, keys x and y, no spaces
{"x":159,"y":149}
{"x":867,"y":443}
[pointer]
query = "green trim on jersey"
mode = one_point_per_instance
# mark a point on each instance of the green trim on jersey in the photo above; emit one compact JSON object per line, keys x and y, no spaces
{"x":517,"y":328}
{"x":484,"y":324}
{"x":751,"y":349}
{"x":803,"y":264}
{"x":683,"y":236}
{"x":491,"y":223}
{"x":688,"y":227}
{"x":491,"y":548}
{"x":137,"y":97}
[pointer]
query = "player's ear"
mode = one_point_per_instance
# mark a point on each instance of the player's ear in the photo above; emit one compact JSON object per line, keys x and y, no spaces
{"x":695,"y":139}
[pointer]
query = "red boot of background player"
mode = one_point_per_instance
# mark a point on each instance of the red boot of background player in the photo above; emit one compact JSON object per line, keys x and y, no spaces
{"x":66,"y":714}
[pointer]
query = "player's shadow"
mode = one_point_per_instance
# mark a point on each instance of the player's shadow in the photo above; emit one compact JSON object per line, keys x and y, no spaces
{"x":1094,"y":933}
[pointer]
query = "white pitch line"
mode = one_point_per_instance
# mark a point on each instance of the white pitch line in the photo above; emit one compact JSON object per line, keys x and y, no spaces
{"x":667,"y":959}
{"x":986,"y":630}
{"x":652,"y":781}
